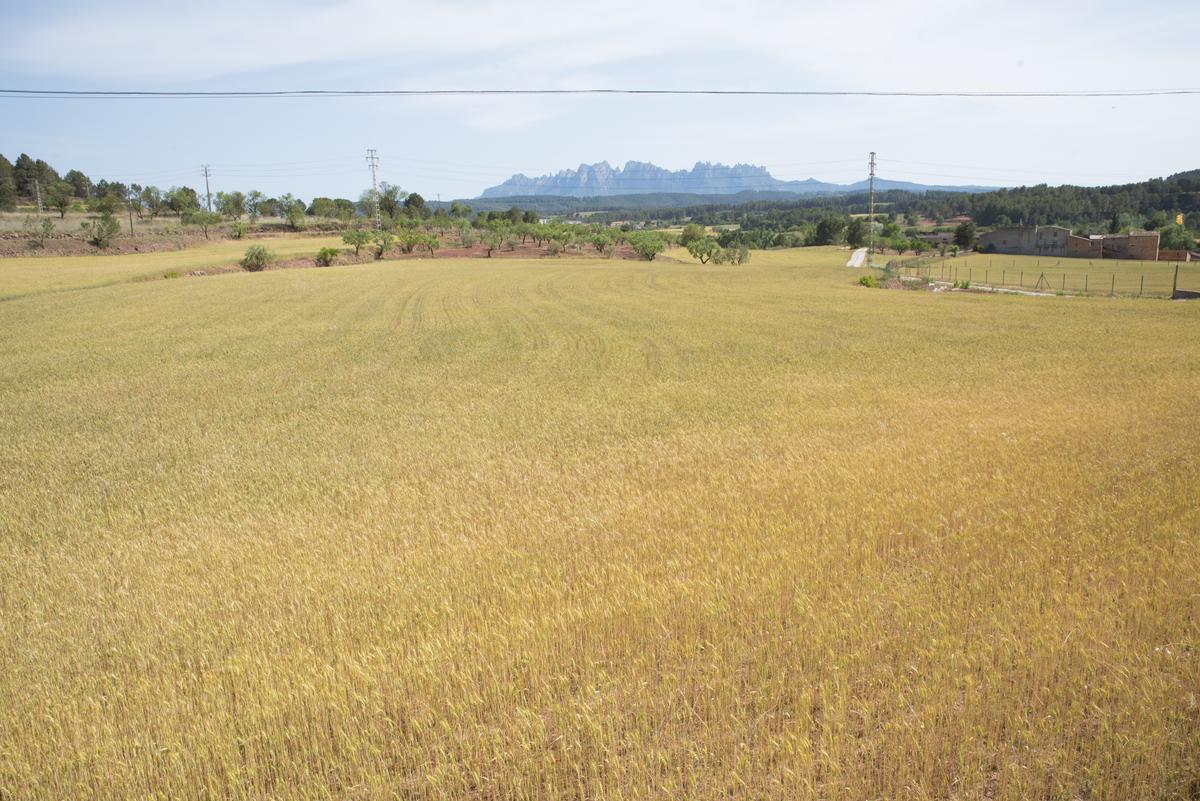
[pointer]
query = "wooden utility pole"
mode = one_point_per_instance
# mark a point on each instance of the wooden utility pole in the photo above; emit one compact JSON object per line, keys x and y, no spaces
{"x":207,"y":190}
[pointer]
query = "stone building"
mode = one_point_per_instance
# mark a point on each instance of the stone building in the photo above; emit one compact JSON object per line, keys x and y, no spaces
{"x":1085,"y":247}
{"x":1029,"y":240}
{"x":1054,"y":240}
{"x":1141,"y":245}
{"x":939,"y":238}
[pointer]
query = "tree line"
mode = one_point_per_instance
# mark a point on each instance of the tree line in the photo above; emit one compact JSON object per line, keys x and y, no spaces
{"x":499,"y":231}
{"x":1149,"y":205}
{"x":757,"y":224}
{"x":28,"y":179}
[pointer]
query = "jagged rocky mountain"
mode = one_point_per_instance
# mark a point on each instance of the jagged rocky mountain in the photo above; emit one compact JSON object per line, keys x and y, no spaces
{"x":639,"y":177}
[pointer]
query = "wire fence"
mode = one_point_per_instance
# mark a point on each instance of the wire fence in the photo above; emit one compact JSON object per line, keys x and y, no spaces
{"x":1055,"y":277}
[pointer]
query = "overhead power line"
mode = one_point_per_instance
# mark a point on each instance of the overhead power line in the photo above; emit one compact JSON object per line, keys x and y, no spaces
{"x":126,"y":94}
{"x":1026,"y":171}
{"x":272,"y":164}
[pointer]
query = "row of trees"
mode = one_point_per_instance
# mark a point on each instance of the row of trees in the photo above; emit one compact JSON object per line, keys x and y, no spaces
{"x":833,"y":229}
{"x":28,"y":179}
{"x":498,"y":232}
{"x":706,"y":248}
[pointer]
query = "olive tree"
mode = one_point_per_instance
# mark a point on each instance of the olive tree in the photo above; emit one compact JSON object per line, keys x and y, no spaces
{"x":231,"y":204}
{"x":62,"y":196}
{"x":647,"y":244}
{"x":703,"y":249}
{"x":203,"y":220}
{"x":357,"y":238}
{"x":383,"y":243}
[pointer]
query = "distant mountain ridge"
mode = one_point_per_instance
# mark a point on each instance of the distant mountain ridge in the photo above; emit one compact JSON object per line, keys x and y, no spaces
{"x":640,"y":178}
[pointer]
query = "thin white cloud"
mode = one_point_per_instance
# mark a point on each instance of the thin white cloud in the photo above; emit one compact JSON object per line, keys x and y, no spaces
{"x":874,"y":44}
{"x":893,"y":44}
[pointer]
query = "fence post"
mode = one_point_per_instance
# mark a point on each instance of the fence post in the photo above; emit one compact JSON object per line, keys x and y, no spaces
{"x":1064,"y":288}
{"x":1175,"y":282}
{"x":1112,"y":290}
{"x":970,"y":273}
{"x":1003,"y":277}
{"x":1021,"y":282}
{"x":1142,"y":285}
{"x":1085,"y":280}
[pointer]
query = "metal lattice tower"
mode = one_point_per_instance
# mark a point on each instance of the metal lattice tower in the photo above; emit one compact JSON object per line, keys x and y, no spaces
{"x":871,"y":212}
{"x":373,"y":163}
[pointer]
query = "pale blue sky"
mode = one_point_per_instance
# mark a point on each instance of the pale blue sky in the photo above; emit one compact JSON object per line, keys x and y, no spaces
{"x":454,"y":147}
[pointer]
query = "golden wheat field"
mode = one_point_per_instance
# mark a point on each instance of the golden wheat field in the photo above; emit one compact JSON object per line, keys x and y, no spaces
{"x":595,"y":529}
{"x":28,"y":275}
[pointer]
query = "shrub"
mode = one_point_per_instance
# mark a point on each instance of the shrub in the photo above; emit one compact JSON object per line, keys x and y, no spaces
{"x":410,"y":240}
{"x":869,"y":280}
{"x":103,"y":229}
{"x":602,"y":242}
{"x":432,"y":243}
{"x":203,"y":219}
{"x":383,"y":243}
{"x":40,"y":231}
{"x":734,"y":254}
{"x":237,"y":230}
{"x":257,"y":257}
{"x":326,"y":256}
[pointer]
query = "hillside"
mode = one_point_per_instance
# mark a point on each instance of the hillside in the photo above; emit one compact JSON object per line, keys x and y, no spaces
{"x":1146,"y":204}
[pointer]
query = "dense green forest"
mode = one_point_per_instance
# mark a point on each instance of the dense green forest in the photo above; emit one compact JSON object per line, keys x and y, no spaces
{"x":1150,"y":205}
{"x":1085,"y":208}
